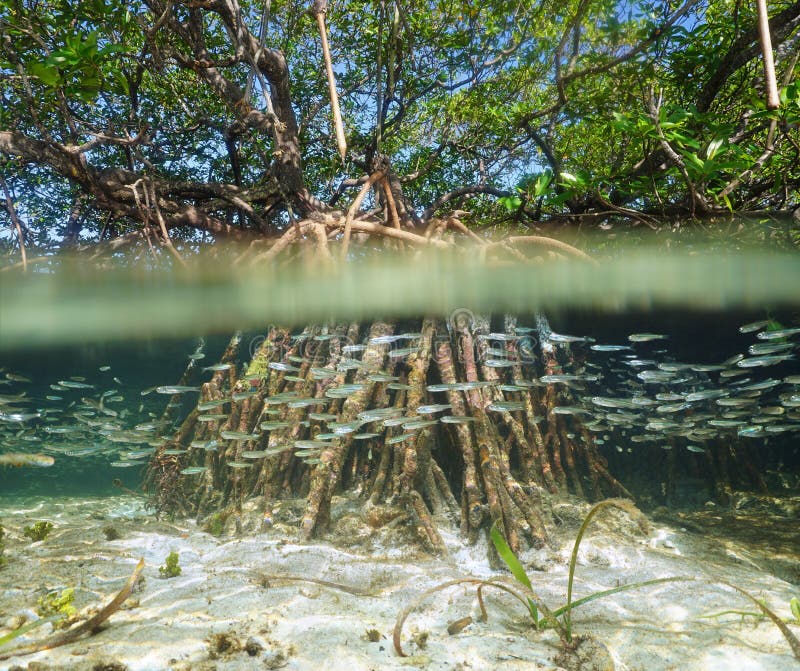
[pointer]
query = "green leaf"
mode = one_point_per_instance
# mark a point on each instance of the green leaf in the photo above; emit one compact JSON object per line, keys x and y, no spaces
{"x":727,"y":202}
{"x":542,"y":182}
{"x":794,"y":606}
{"x":713,"y":147}
{"x":49,"y":76}
{"x":509,"y":557}
{"x":511,"y":203}
{"x":695,"y":160}
{"x":25,"y":628}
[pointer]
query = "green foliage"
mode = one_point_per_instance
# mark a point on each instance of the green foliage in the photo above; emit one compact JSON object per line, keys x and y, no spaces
{"x":547,"y":103}
{"x":38,"y":531}
{"x":58,"y":604}
{"x":564,"y":626}
{"x":516,"y":568}
{"x":550,"y":618}
{"x":170,"y":568}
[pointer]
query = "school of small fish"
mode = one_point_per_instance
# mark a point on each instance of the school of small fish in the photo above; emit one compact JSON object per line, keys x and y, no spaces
{"x":624,"y":393}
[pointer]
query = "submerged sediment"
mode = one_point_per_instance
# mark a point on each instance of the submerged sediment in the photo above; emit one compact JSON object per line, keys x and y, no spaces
{"x":229,"y":608}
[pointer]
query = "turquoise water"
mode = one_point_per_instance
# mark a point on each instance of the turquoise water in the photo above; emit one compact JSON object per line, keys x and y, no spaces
{"x":92,"y":446}
{"x":666,"y":363}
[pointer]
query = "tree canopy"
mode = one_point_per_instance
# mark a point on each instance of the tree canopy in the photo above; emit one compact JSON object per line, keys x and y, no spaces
{"x":210,"y":119}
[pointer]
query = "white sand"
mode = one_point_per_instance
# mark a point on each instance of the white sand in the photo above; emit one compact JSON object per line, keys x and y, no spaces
{"x":304,"y":626}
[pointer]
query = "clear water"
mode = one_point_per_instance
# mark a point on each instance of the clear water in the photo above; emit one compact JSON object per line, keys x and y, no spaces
{"x":88,"y":460}
{"x":142,"y":328}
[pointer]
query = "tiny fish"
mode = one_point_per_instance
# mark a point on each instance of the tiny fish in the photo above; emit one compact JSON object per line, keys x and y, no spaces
{"x":176,"y":389}
{"x":763,"y":348}
{"x":17,"y":378}
{"x":382,"y":377}
{"x":646,"y":337}
{"x":272,"y":426}
{"x":401,"y":438}
{"x":753,"y":326}
{"x":194,"y":470}
{"x":457,"y":419}
{"x":238,"y":435}
{"x":385,"y":339}
{"x":764,"y":360}
{"x":217,"y":367}
{"x":212,"y":417}
{"x":283,"y":367}
{"x":25,"y":459}
{"x":609,"y":348}
{"x":500,"y":363}
{"x":310,"y":444}
{"x":780,"y":333}
{"x":436,"y":407}
{"x":18,"y":416}
{"x":419,"y":424}
{"x":75,"y":384}
{"x":570,"y":410}
{"x":403,"y":351}
{"x":104,"y":369}
{"x":209,"y":405}
{"x":506,"y":406}
{"x":502,"y":337}
{"x":343,"y":429}
{"x":307,"y":402}
{"x":706,"y":394}
{"x":321,"y":417}
{"x":559,"y":337}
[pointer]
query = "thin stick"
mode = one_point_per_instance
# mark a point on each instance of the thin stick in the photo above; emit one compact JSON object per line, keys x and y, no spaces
{"x":773,"y":101}
{"x":266,"y":578}
{"x":12,"y":213}
{"x":163,"y":225}
{"x":318,"y":10}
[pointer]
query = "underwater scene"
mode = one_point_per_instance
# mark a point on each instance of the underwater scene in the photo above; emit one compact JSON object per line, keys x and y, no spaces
{"x":368,"y":336}
{"x":565,"y":488}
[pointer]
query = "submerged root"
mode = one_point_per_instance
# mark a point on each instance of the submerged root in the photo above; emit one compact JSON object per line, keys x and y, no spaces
{"x":343,"y":408}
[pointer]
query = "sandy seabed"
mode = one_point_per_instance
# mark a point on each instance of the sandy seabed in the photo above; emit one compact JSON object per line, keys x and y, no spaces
{"x":221,"y":613}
